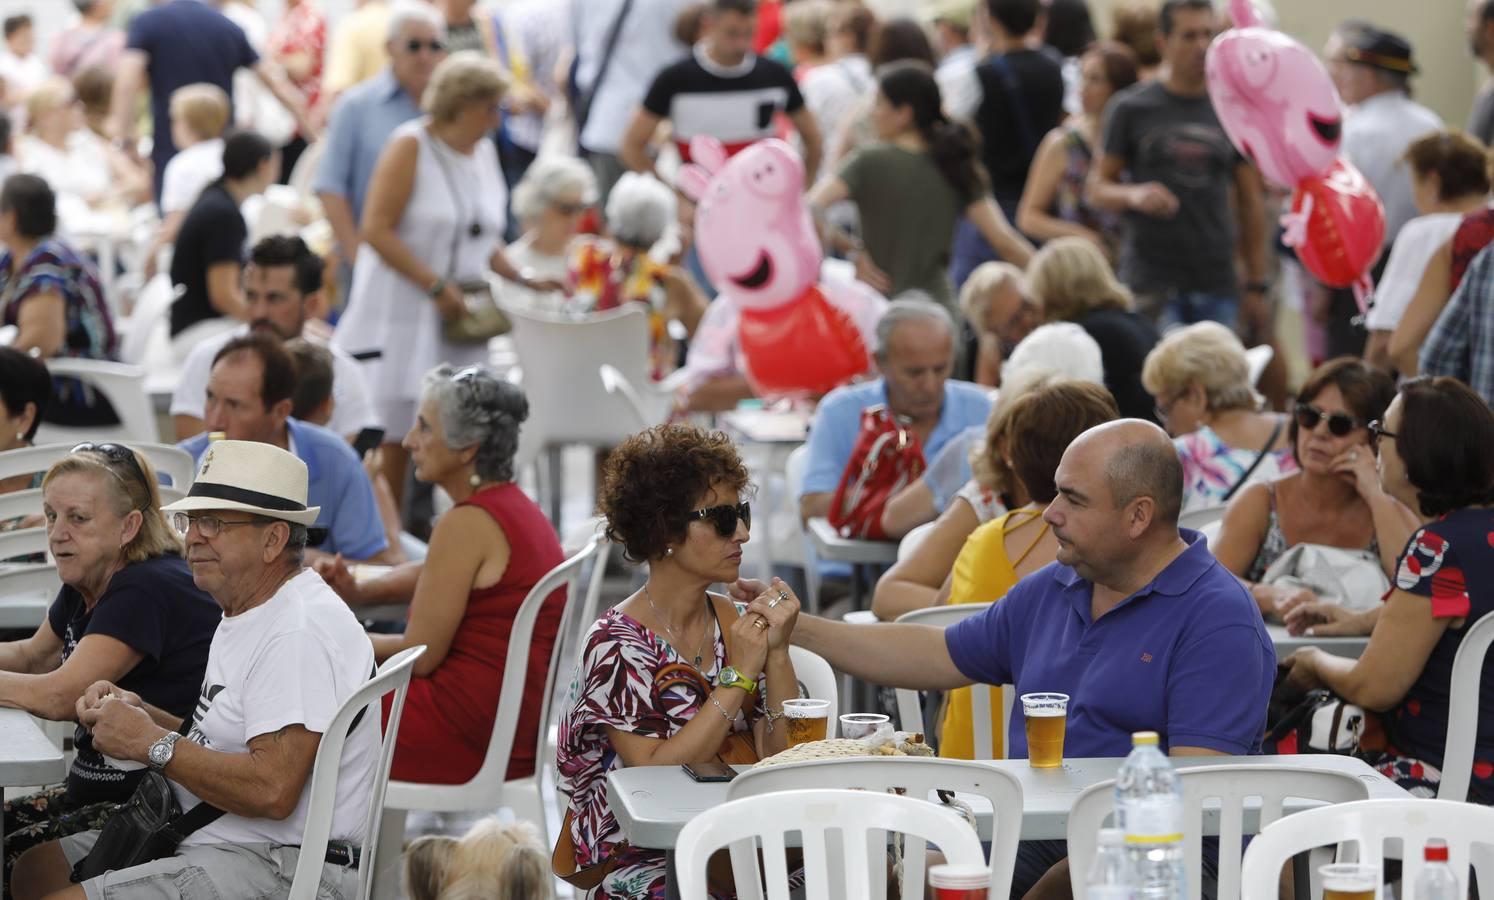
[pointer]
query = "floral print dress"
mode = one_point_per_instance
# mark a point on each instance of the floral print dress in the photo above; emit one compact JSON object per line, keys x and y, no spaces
{"x":614,"y":686}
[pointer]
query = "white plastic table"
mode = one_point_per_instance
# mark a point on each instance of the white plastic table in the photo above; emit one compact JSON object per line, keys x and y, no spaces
{"x":653,"y":803}
{"x":1287,"y":644}
{"x":27,"y":756}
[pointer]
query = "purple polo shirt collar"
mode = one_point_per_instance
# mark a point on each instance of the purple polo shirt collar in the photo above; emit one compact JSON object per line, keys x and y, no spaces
{"x":1174,"y":581}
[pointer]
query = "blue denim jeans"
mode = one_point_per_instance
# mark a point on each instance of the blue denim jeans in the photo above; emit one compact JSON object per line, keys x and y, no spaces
{"x":1169,"y":308}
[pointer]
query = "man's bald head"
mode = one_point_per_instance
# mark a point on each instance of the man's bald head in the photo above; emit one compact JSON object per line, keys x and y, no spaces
{"x":1140,"y":461}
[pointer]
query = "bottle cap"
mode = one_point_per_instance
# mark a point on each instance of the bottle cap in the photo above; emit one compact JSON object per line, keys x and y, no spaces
{"x":1112,"y":837}
{"x":1144,"y":739}
{"x":1436,"y":850}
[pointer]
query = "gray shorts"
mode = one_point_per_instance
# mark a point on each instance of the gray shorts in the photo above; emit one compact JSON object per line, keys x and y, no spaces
{"x":209,"y":872}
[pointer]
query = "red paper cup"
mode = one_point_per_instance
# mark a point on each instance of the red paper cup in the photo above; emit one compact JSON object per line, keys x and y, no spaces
{"x":952,"y":882}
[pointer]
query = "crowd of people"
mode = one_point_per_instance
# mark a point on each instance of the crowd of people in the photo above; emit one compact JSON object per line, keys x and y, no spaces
{"x":1086,"y":343}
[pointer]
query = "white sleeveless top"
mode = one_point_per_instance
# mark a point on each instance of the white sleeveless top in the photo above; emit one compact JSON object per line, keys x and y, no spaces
{"x":453,"y":196}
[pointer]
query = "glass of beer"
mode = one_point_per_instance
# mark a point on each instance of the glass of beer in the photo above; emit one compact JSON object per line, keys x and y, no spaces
{"x":1349,"y":881}
{"x":806,"y":720}
{"x":1046,"y":715}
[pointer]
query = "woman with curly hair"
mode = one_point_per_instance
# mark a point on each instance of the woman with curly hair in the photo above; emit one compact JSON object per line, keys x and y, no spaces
{"x":673,"y":674}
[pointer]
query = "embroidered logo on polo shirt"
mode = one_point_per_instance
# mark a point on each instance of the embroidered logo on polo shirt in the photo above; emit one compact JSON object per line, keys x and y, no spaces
{"x":1146,"y":657}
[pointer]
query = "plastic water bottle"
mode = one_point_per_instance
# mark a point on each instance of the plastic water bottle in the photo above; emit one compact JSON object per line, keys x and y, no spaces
{"x":1437,"y":881}
{"x":1149,"y":810}
{"x":1111,"y":876}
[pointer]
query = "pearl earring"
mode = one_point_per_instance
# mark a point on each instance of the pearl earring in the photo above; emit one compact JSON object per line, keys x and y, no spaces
{"x":474,"y":480}
{"x":668,"y":551}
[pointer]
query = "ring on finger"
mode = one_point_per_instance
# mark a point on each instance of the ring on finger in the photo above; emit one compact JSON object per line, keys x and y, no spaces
{"x":761,"y":623}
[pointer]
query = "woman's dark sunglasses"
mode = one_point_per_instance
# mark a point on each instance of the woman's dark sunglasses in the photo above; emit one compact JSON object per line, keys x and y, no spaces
{"x":115,"y":453}
{"x":1339,"y":424}
{"x":415,"y":45}
{"x":725,"y":517}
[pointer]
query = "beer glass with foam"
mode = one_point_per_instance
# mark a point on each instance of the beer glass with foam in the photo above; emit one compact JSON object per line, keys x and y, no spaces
{"x":1349,"y":881}
{"x":1046,"y":716}
{"x":806,"y":720}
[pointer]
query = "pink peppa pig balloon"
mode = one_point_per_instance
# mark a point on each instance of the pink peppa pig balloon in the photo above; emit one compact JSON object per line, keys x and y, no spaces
{"x":1337,"y":226}
{"x":758,"y":245}
{"x":1274,"y":98}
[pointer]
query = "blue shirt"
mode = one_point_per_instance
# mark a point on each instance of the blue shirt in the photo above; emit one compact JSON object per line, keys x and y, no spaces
{"x":362,"y":120}
{"x":1187,"y":656}
{"x":837,"y":422}
{"x":336,"y":482}
{"x":1461,"y":343}
{"x":187,"y":42}
{"x":950,"y":470}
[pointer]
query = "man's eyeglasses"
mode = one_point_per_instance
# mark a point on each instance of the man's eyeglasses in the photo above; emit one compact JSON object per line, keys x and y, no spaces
{"x":415,"y":45}
{"x":1339,"y":424}
{"x":210,"y":526}
{"x":116,"y":453}
{"x":1377,"y":431}
{"x":725,"y":517}
{"x":570,"y":209}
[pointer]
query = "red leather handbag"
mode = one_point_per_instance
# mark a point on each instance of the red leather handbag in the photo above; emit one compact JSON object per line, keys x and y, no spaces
{"x":887,"y":458}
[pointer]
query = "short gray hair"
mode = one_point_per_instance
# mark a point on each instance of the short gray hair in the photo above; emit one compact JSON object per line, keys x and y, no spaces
{"x":1147,"y":470}
{"x":911,"y":306}
{"x":639,"y":210}
{"x":479,"y":409}
{"x":549,"y":178}
{"x":404,"y":12}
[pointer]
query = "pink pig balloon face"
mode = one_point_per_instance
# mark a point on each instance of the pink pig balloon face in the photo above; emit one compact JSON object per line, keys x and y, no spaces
{"x":1276,"y":102}
{"x":753,"y":230}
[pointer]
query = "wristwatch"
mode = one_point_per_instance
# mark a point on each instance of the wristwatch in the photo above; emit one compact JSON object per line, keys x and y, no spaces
{"x":161,"y":751}
{"x":730,"y":677}
{"x":436,"y":288}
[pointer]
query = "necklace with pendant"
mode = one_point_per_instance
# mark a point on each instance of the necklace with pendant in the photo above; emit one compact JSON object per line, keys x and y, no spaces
{"x":679,"y":644}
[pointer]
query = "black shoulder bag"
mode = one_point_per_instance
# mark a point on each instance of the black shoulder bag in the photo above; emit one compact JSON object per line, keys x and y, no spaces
{"x":1259,"y":458}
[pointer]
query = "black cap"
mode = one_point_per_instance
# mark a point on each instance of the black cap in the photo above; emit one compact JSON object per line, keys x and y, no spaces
{"x":1369,"y":46}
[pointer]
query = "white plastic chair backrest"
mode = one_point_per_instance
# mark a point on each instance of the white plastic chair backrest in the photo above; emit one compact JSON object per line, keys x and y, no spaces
{"x":171,"y":461}
{"x":485,"y":788}
{"x":910,"y":708}
{"x":1256,"y":359}
{"x":917,"y":778}
{"x":567,"y":401}
{"x":18,"y":504}
{"x":30,"y":460}
{"x":1196,"y":519}
{"x":1467,"y":827}
{"x":150,"y":317}
{"x":817,"y":679}
{"x":913,"y":540}
{"x":793,"y":478}
{"x":393,"y":677}
{"x":617,"y":384}
{"x":862,"y":819}
{"x":22,"y":542}
{"x":26,"y":592}
{"x":1462,"y":711}
{"x":1230,"y":786}
{"x":124,"y":385}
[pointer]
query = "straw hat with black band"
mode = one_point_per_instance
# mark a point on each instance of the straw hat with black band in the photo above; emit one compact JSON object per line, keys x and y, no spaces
{"x":1384,"y":50}
{"x":250,"y":477}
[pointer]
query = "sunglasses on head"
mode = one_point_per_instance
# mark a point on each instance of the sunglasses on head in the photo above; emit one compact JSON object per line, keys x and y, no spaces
{"x":415,"y":45}
{"x":114,"y":453}
{"x":1339,"y":424}
{"x":725,"y":517}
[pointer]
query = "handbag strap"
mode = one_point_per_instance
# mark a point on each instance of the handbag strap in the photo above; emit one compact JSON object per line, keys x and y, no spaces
{"x":609,"y":48}
{"x":1259,"y":458}
{"x":456,"y":199}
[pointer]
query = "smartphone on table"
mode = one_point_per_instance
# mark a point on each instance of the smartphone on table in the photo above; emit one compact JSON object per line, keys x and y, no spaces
{"x":709,"y":772}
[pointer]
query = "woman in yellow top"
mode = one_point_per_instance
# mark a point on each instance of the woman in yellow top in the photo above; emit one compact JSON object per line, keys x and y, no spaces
{"x":1030,"y":440}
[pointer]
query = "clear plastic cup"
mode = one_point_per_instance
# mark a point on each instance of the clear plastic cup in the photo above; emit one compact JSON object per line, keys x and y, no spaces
{"x":861,"y":725}
{"x":807,"y":720}
{"x":1349,"y":881}
{"x":1046,"y":716}
{"x":951,"y":882}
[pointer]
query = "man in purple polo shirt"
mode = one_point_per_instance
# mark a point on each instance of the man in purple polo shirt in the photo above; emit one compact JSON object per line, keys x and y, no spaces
{"x":1136,"y":622}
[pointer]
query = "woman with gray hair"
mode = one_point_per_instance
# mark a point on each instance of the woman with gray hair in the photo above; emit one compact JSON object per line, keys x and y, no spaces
{"x":549,"y":202}
{"x":486,"y":554}
{"x":432,"y":229}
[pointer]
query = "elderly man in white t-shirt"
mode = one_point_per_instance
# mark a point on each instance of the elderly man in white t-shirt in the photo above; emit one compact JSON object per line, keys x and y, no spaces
{"x":282,"y":282}
{"x":286,"y":656}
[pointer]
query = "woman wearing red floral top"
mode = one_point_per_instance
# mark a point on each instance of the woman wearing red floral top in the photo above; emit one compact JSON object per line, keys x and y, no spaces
{"x":1434,"y":457}
{"x":298,"y":43}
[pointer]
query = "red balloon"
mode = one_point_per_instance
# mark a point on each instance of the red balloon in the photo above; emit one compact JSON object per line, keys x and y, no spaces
{"x":1337,"y":225}
{"x":804,"y":346}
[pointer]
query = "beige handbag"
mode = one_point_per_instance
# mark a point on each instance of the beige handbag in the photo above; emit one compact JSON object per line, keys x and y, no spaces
{"x":483,"y":318}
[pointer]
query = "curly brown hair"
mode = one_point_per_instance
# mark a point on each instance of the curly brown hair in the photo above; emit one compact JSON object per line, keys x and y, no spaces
{"x":655,"y":478}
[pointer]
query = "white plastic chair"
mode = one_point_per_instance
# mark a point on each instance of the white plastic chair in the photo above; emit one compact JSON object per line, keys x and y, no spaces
{"x":18,"y":504}
{"x":22,"y":542}
{"x":1231,"y":786}
{"x":650,"y":404}
{"x":1198,"y":519}
{"x":917,"y":778}
{"x":124,"y":385}
{"x":913,"y":540}
{"x":1467,"y":827}
{"x":818,"y":682}
{"x":1462,"y":711}
{"x":1257,"y":358}
{"x":150,"y":320}
{"x":861,"y":818}
{"x":488,"y":790}
{"x":910,"y":708}
{"x":793,"y":475}
{"x":26,"y":592}
{"x":393,"y":677}
{"x":169,"y":460}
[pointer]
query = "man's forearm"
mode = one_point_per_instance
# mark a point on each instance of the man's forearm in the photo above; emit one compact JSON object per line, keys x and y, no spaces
{"x":244,"y":784}
{"x":913,"y":657}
